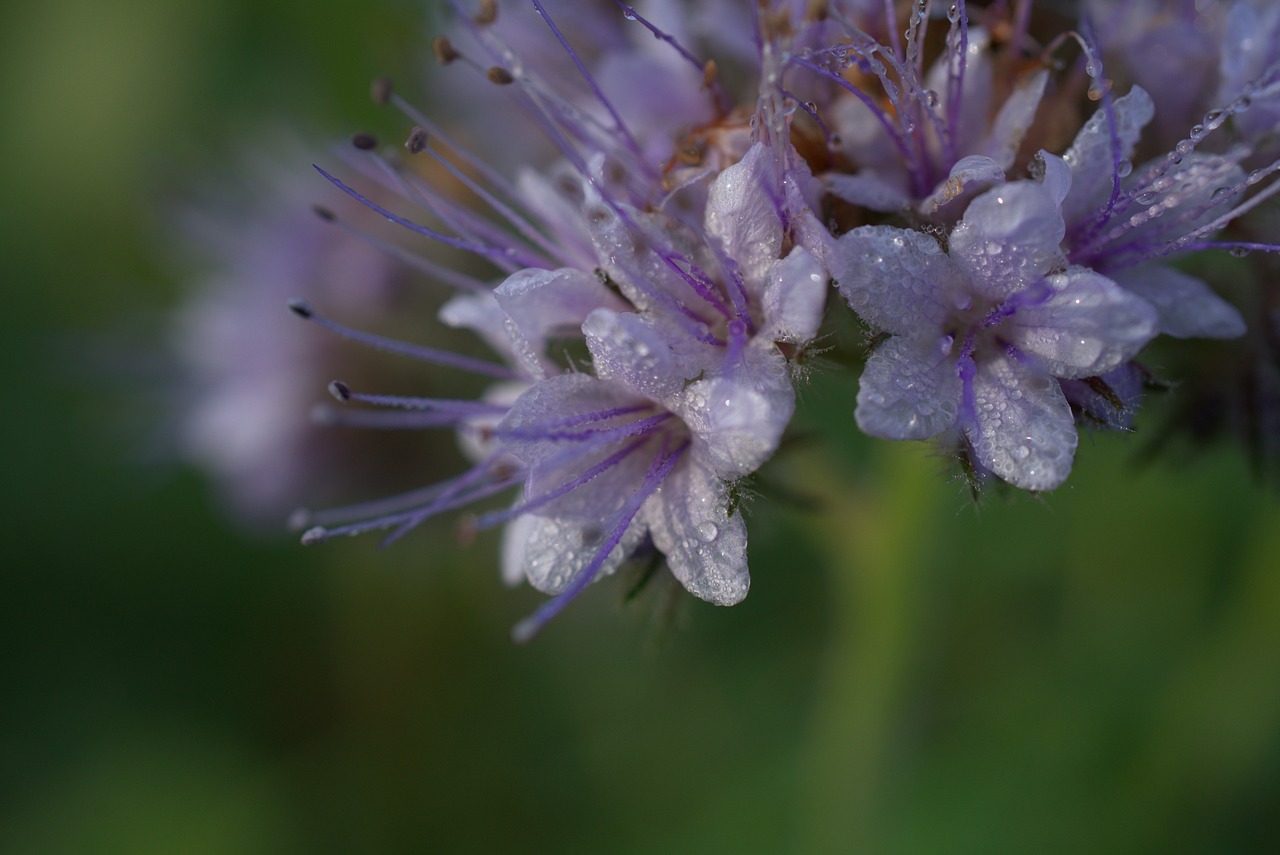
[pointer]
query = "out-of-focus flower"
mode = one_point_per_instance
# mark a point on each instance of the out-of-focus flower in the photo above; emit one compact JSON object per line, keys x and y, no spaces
{"x":249,"y":383}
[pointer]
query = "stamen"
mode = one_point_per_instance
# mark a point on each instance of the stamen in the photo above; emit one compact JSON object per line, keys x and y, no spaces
{"x":640,"y":426}
{"x":958,"y":59}
{"x":415,"y":506}
{"x":381,"y":90}
{"x":463,"y":407}
{"x":498,"y":517}
{"x":526,"y":629}
{"x":499,"y":75}
{"x":324,"y":415}
{"x":708,"y":68}
{"x":502,"y":255}
{"x":467,"y":224}
{"x":420,"y":142}
{"x":621,"y":126}
{"x":439,"y":272}
{"x":414,"y":351}
{"x":305,"y":518}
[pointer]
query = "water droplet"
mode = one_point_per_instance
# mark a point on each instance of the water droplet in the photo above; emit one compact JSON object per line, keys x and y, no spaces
{"x":1239,"y":251}
{"x":1124,"y":167}
{"x":931,"y":97}
{"x":1145,"y":198}
{"x":1093,"y":68}
{"x":1220,"y":192}
{"x":708,"y":531}
{"x":953,"y":12}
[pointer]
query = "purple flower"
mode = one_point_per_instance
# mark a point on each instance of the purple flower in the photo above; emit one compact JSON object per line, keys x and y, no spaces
{"x":686,"y":293}
{"x":933,"y":137}
{"x":981,"y":334}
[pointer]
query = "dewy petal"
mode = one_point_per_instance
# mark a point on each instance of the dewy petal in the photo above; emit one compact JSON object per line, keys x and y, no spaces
{"x":705,"y":545}
{"x":867,"y":189}
{"x":969,"y":175}
{"x":515,"y":540}
{"x":1090,"y":155}
{"x":481,"y":314}
{"x":556,"y":401}
{"x":909,"y":389}
{"x":1186,"y":306}
{"x":554,"y":551}
{"x":1025,"y":432}
{"x":794,"y":297}
{"x":743,"y":216}
{"x":898,"y":280}
{"x":1088,"y":326}
{"x":737,"y":419}
{"x":1014,"y":118}
{"x":628,"y":348}
{"x":540,"y":303}
{"x":1009,"y":238}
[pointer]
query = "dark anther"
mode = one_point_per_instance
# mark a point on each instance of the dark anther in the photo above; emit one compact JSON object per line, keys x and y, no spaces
{"x":324,"y":213}
{"x":488,"y":13}
{"x":417,"y":141}
{"x":340,"y":390}
{"x":444,"y":50}
{"x":380,"y":90}
{"x":500,"y":76}
{"x":364,"y":142}
{"x":709,"y":73}
{"x":300,"y":308}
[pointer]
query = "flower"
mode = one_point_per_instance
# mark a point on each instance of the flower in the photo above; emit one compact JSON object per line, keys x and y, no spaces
{"x":650,"y":280}
{"x":686,"y":292}
{"x":981,"y":333}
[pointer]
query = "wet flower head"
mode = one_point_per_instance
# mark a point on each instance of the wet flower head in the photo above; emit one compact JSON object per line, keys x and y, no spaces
{"x":650,"y":277}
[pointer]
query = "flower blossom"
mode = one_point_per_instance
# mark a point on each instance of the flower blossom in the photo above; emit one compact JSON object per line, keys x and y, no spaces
{"x":648,"y":278}
{"x":688,"y":297}
{"x":980,"y":334}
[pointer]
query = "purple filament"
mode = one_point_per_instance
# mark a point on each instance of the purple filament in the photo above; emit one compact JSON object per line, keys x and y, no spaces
{"x":413,"y":351}
{"x":658,"y":471}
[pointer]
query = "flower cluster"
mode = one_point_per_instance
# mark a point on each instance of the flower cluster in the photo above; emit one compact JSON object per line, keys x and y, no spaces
{"x":1007,"y":222}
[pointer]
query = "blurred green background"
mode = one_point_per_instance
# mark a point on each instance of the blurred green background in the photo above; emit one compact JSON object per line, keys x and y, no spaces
{"x":1094,"y":671}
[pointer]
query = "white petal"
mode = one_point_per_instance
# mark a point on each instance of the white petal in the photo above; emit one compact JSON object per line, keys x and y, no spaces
{"x":867,"y":189}
{"x":738,"y":418}
{"x":743,"y":216}
{"x":628,"y":348}
{"x":1014,"y":118}
{"x":1009,"y":238}
{"x":705,"y":546}
{"x":794,"y":297}
{"x":908,"y":390}
{"x":540,"y":304}
{"x":555,"y":401}
{"x":1090,"y":155}
{"x":481,"y":314}
{"x":897,"y":280}
{"x":555,"y":551}
{"x":1025,"y":432}
{"x":968,"y":176}
{"x":1186,"y":306}
{"x":1088,"y":326}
